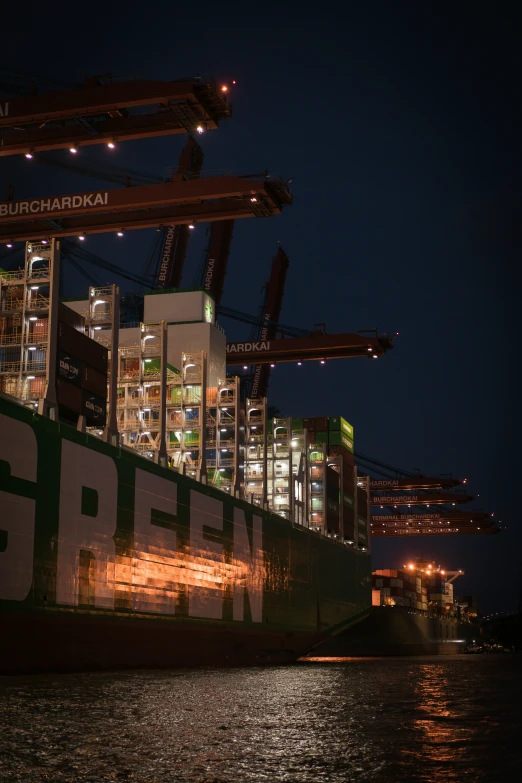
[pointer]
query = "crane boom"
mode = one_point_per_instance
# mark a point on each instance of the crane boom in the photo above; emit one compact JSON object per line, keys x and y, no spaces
{"x":102,"y":113}
{"x":272,"y":310}
{"x":301,"y":349}
{"x":175,"y":238}
{"x":176,"y":202}
{"x":217,"y":258}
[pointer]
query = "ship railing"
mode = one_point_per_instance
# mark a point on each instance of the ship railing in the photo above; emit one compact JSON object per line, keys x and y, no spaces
{"x":38,"y":273}
{"x":35,"y":366}
{"x":10,"y":367}
{"x":227,"y":462}
{"x":15,"y":338}
{"x":11,"y":303}
{"x":38,"y":302}
{"x":7,"y":277}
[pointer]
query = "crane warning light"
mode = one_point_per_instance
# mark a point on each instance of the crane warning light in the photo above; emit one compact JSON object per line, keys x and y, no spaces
{"x":224,"y":88}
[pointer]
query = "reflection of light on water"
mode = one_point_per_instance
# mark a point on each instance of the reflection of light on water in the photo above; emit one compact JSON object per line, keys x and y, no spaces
{"x":442,"y":733}
{"x":323,"y":659}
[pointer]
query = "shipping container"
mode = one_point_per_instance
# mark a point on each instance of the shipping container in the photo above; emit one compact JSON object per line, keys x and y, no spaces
{"x":69,"y":397}
{"x":71,"y":318}
{"x":321,"y":437}
{"x":334,"y":423}
{"x":397,"y":582}
{"x":94,"y":409}
{"x":321,"y":423}
{"x":94,"y":381}
{"x":362,"y":502}
{"x":339,"y":438}
{"x":309,"y":424}
{"x":82,"y":347}
{"x":347,"y":428}
{"x":69,"y":368}
{"x":297,"y":424}
{"x":376,"y":597}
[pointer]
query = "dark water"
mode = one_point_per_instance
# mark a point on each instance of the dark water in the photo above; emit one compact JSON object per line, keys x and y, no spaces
{"x":422,"y":719}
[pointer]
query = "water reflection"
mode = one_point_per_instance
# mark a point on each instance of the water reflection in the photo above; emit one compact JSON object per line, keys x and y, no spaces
{"x":371,"y":720}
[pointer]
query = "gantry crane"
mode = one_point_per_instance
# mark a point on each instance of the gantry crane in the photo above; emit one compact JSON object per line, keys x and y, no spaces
{"x":105,"y":111}
{"x":314,"y":347}
{"x":175,"y":202}
{"x":175,"y":237}
{"x":271,"y":313}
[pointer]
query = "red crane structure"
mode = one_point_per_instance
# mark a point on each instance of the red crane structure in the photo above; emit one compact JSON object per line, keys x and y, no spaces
{"x":416,"y":482}
{"x":171,"y":203}
{"x":316,"y":347}
{"x":175,"y":237}
{"x":272,"y":311}
{"x":217,"y":258}
{"x":419,"y":500}
{"x":106,"y":113}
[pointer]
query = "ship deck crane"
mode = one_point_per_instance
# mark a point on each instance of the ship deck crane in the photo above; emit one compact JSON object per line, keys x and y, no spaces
{"x":171,"y":203}
{"x":104,"y":112}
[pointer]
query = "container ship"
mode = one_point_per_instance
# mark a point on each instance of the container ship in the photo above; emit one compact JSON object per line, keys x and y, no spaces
{"x":150,"y":516}
{"x":152,"y":513}
{"x":414,"y":612}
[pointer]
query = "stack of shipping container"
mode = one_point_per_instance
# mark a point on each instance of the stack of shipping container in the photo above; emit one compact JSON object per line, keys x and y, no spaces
{"x":81,"y":372}
{"x":412,"y":588}
{"x":337,"y":436}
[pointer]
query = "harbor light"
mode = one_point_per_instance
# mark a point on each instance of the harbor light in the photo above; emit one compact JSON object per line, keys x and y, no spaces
{"x":120,"y":233}
{"x":73,"y":149}
{"x":81,"y":237}
{"x":200,"y":129}
{"x":9,"y":244}
{"x":28,"y":155}
{"x":111,"y":145}
{"x":191,"y":225}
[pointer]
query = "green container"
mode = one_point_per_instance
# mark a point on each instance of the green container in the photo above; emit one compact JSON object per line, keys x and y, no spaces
{"x":340,"y":439}
{"x":334,"y":423}
{"x":347,"y":429}
{"x":321,"y":437}
{"x":297,"y":424}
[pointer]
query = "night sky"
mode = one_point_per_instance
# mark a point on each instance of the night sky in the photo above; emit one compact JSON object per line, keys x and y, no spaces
{"x":400,"y":125}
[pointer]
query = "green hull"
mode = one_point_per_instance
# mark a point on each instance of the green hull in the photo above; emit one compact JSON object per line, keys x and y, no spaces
{"x":108,"y":560}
